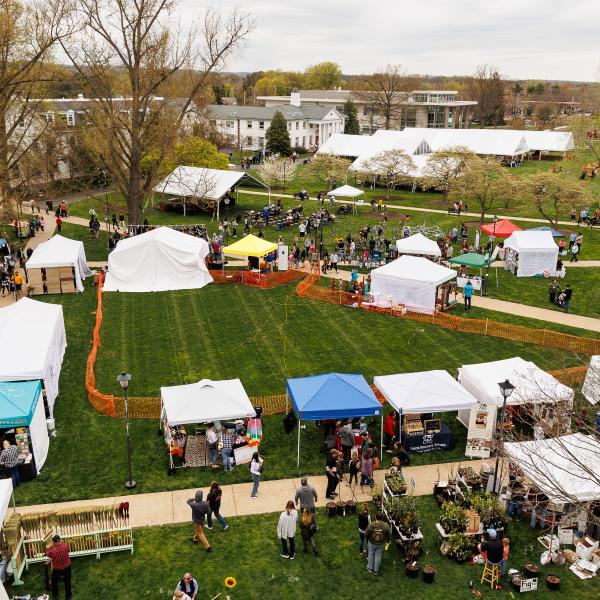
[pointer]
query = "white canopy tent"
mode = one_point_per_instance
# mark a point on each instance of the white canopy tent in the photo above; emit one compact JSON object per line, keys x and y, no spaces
{"x":344,"y":144}
{"x":410,"y":280}
{"x":6,"y":490}
{"x":22,"y":360}
{"x":418,"y":244}
{"x":591,"y":384}
{"x":346,"y":191}
{"x":205,"y":401}
{"x":424,"y":392}
{"x":199,"y":182}
{"x":60,"y":251}
{"x":549,"y":141}
{"x":537,"y":252}
{"x":565,"y":468}
{"x":156,"y":261}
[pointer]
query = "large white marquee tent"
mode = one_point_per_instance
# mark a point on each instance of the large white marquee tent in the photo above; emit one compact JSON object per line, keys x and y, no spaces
{"x":347,"y":145}
{"x":536,"y":250}
{"x":549,"y":141}
{"x":424,"y":392}
{"x":418,"y":244}
{"x":60,"y":251}
{"x":565,"y":468}
{"x":410,"y":280}
{"x":158,"y":260}
{"x":33,"y":343}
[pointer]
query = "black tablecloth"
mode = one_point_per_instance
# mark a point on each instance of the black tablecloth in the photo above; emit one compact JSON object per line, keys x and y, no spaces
{"x":428,"y":442}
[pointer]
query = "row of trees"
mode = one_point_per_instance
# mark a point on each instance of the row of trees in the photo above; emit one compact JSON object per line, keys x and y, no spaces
{"x":126,"y":49}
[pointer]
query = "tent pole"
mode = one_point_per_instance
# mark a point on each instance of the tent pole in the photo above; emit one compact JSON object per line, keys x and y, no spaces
{"x":298,"y":459}
{"x":381,"y":439}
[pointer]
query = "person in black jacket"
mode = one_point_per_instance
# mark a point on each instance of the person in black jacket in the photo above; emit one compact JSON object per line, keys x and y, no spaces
{"x":214,"y":501}
{"x":200,"y":511}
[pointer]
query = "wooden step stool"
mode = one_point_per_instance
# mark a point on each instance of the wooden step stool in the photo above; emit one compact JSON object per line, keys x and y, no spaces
{"x":491,"y":574}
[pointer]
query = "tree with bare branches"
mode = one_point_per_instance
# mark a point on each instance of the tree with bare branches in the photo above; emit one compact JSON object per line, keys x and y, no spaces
{"x":28,"y":33}
{"x":393,"y":166}
{"x":487,"y":87}
{"x":383,"y":94}
{"x":130,"y":56}
{"x":443,"y":167}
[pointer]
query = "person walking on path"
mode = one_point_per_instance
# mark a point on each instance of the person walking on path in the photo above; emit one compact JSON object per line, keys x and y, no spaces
{"x":364,"y":518}
{"x":378,"y":536}
{"x":59,"y":223}
{"x":334,"y":260}
{"x":306,"y":496}
{"x":188,"y":585}
{"x":468,"y":294}
{"x":308,"y":528}
{"x":255,"y":469}
{"x":332,"y":474}
{"x":200,"y":511}
{"x":214,"y":501}
{"x":58,"y":555}
{"x":286,"y":530}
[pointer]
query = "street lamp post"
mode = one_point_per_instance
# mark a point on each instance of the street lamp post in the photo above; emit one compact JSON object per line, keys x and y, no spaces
{"x":506,"y":389}
{"x":227,"y":200}
{"x":123,"y":379}
{"x":107,"y":216}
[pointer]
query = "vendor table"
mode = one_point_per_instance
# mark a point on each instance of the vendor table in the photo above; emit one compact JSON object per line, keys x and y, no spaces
{"x":428,"y":442}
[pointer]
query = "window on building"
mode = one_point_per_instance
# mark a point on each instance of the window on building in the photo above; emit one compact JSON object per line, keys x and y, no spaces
{"x":311,"y":126}
{"x":408,"y":118}
{"x":435,"y":117}
{"x":290,"y":126}
{"x":249,"y":141}
{"x":297,"y":124}
{"x":229,"y":124}
{"x":70,"y":118}
{"x":297,"y":142}
{"x":261,"y":124}
{"x":310,"y":140}
{"x":420,"y":97}
{"x":249,"y":124}
{"x":304,"y":141}
{"x":50,"y":117}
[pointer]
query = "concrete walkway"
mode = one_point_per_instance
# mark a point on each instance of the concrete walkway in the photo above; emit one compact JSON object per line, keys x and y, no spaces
{"x":168,"y":508}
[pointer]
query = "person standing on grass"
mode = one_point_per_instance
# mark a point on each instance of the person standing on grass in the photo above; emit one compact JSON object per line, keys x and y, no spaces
{"x":364,"y":518}
{"x":378,"y":536}
{"x":568,"y":293}
{"x":505,"y":553}
{"x":553,"y":291}
{"x":200,"y":510}
{"x":214,"y":502}
{"x":96,"y":228}
{"x":574,"y":252}
{"x":59,"y":223}
{"x":121,"y":221}
{"x":572,"y":238}
{"x":306,"y":496}
{"x":188,"y":585}
{"x":308,"y":528}
{"x":286,"y":530}
{"x":389,"y":432}
{"x":17,"y":280}
{"x":226,"y":448}
{"x":468,"y":294}
{"x":58,"y":556}
{"x":255,"y":469}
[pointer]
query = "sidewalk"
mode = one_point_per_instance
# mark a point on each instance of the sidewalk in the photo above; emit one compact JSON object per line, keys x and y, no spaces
{"x":168,"y":508}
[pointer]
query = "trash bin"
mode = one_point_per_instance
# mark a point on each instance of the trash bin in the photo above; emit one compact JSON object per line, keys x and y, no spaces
{"x":49,"y":204}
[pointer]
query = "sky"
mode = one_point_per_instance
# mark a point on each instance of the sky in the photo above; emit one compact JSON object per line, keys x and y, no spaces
{"x":525,"y":39}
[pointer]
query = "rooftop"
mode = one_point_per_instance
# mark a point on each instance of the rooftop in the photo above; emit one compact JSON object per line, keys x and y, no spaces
{"x":290,"y":113}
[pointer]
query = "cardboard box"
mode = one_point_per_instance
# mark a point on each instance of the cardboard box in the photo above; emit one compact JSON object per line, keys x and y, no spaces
{"x":585,"y":547}
{"x":474,"y":521}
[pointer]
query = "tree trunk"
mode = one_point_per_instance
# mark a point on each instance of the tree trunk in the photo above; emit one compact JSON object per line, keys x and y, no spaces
{"x":135,"y":193}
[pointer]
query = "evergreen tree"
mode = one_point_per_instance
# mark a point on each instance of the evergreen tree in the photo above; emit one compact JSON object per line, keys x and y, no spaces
{"x":278,"y":138}
{"x":351,"y":125}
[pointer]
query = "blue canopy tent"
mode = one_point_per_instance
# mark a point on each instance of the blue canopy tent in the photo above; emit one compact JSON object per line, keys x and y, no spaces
{"x":554,"y":232}
{"x":22,"y":405}
{"x":332,"y":396}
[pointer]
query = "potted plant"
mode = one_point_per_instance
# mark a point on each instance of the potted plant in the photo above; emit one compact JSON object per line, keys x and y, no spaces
{"x":395,"y":484}
{"x":553,"y":582}
{"x":412,"y":569}
{"x":453,"y":518}
{"x":460,"y":547}
{"x":532,"y":570}
{"x":428,"y":574}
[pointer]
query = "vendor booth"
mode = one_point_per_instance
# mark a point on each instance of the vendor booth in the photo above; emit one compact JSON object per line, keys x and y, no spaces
{"x":6,"y":490}
{"x":474,"y":261}
{"x":418,"y":397}
{"x":348,"y":191}
{"x":332,"y":396}
{"x":23,"y":423}
{"x":419,"y":245}
{"x":591,"y":384}
{"x":253,"y":249}
{"x":33,"y":342}
{"x":531,"y":253}
{"x":500,"y":229}
{"x":413,"y":281}
{"x":57,"y":266}
{"x":224,"y":403}
{"x":156,"y":261}
{"x":555,"y":233}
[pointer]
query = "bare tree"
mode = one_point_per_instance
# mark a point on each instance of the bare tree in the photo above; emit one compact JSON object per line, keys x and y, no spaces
{"x":383,"y":94}
{"x":487,"y":87}
{"x":190,"y":186}
{"x":545,"y":113}
{"x":129,"y":54}
{"x":276,"y":170}
{"x":28,"y":32}
{"x":393,"y":166}
{"x":443,"y":167}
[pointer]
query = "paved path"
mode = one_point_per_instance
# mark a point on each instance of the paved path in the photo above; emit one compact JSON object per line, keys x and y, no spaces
{"x":167,"y":508}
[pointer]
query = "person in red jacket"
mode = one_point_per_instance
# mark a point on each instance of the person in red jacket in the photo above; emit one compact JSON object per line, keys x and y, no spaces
{"x":389,"y":431}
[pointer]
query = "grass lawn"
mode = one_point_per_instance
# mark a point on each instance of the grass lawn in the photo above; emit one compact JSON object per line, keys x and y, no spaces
{"x":534,"y":290}
{"x":225,"y":331}
{"x":95,"y":249}
{"x":249,"y":551}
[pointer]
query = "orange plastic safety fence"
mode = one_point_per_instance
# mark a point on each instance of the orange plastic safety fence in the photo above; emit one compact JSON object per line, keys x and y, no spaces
{"x":260,"y":280}
{"x":571,"y":375}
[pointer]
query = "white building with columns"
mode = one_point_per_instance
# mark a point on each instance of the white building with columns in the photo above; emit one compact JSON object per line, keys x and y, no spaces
{"x":245,"y":127}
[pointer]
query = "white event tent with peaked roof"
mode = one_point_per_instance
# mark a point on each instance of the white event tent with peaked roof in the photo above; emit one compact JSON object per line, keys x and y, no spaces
{"x":158,"y":260}
{"x":412,"y":281}
{"x":346,"y":191}
{"x":418,"y":244}
{"x":537,"y":252}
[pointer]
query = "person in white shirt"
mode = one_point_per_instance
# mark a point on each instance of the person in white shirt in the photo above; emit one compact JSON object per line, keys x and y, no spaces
{"x":333,"y":259}
{"x":255,"y":471}
{"x":286,"y":530}
{"x":212,"y":441}
{"x":302,"y":228}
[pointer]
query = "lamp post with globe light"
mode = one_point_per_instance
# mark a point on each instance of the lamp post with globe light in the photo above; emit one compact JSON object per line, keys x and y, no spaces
{"x":123,"y":379}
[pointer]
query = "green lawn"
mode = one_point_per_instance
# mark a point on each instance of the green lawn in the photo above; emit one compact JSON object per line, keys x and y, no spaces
{"x":249,"y":551}
{"x":534,"y":290}
{"x":223,"y":331}
{"x":95,"y":248}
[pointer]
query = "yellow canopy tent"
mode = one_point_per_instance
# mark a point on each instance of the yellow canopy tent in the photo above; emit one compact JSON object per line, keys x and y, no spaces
{"x":250,"y":246}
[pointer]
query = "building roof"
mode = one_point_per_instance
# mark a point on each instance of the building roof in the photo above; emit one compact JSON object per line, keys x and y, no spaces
{"x":266,"y":113}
